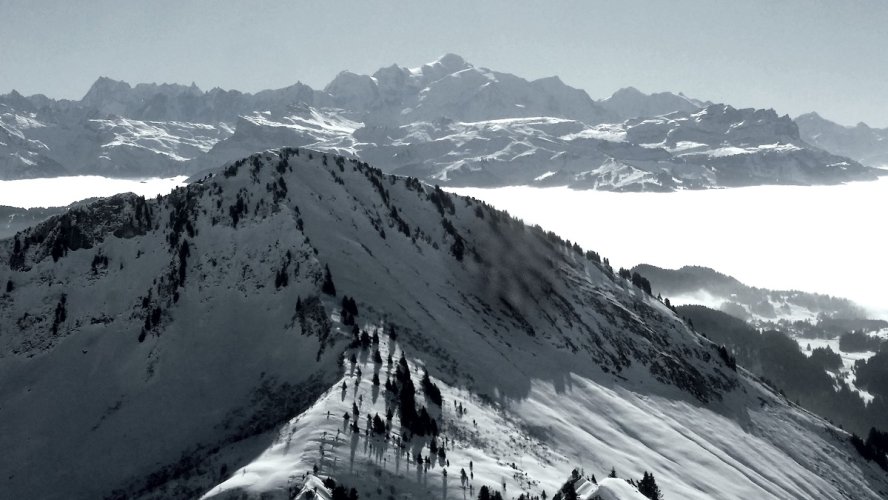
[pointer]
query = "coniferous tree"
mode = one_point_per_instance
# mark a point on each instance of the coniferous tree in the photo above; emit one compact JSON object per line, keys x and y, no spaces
{"x":648,"y":487}
{"x":432,"y":392}
{"x":300,"y":311}
{"x":613,"y":472}
{"x":328,"y":287}
{"x":378,"y":425}
{"x":484,"y":493}
{"x":346,"y":314}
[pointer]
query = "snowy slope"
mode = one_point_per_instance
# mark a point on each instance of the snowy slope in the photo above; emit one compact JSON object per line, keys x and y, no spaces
{"x":20,"y":155}
{"x":49,"y":142}
{"x":198,"y":357}
{"x":531,"y":445}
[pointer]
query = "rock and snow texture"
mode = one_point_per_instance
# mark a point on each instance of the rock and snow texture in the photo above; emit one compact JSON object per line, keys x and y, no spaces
{"x":57,"y":138}
{"x":863,"y":143}
{"x":447,"y":122}
{"x":184,"y":346}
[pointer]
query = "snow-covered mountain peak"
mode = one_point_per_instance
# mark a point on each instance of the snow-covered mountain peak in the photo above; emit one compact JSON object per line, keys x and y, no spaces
{"x":352,"y":91}
{"x":629,"y":102}
{"x":444,"y":65}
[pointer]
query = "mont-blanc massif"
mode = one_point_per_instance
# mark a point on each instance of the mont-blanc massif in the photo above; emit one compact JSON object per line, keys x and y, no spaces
{"x":435,"y":279}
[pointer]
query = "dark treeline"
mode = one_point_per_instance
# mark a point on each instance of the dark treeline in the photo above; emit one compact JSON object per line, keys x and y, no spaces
{"x":778,"y":361}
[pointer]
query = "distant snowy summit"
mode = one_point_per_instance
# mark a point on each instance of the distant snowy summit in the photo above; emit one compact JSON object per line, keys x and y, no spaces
{"x":630,"y":102}
{"x":447,"y":122}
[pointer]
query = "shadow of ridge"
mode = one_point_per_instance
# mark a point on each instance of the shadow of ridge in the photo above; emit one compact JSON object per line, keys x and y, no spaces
{"x":246,"y":441}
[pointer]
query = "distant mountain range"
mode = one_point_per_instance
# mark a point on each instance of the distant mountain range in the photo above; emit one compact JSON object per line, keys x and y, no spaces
{"x":447,"y":122}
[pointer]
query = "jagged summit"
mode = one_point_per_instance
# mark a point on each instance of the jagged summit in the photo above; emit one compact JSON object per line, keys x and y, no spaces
{"x":229,"y":303}
{"x":105,"y":89}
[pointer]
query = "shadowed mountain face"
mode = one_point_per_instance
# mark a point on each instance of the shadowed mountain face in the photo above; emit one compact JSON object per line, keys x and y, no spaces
{"x":14,"y":219}
{"x":447,"y":122}
{"x":205,"y":327}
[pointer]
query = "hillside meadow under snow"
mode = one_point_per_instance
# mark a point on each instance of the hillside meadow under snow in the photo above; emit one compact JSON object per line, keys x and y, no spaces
{"x":824,"y":239}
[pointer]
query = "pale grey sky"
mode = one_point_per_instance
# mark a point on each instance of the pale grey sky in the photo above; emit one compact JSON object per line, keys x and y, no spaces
{"x":794,"y":56}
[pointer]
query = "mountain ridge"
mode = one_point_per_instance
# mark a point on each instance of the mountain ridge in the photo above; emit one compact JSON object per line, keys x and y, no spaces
{"x":116,"y":306}
{"x":417,"y":121}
